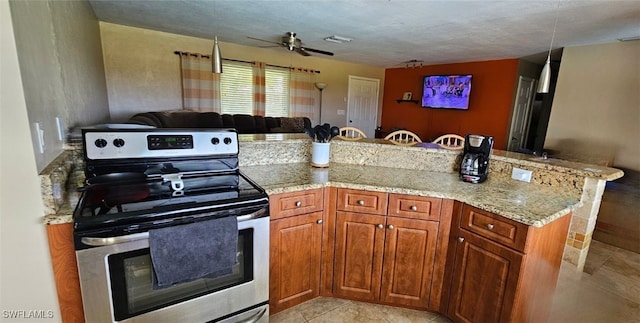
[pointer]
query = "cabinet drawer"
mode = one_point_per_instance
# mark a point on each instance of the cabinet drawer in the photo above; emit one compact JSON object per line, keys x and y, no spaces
{"x":494,"y":227}
{"x":362,"y":201}
{"x":295,"y":203}
{"x":416,"y":207}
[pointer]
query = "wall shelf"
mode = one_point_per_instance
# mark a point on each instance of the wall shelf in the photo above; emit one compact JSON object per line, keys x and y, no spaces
{"x":407,"y":101}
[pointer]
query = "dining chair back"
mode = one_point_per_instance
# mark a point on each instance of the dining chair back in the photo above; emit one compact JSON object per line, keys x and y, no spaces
{"x":450,"y":141}
{"x":403,"y":137}
{"x":351,"y":133}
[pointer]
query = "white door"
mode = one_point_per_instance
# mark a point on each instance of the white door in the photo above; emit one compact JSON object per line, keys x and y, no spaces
{"x":521,"y":113}
{"x":362,"y":104}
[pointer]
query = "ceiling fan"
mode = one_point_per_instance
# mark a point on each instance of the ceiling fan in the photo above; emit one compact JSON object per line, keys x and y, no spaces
{"x":294,"y":44}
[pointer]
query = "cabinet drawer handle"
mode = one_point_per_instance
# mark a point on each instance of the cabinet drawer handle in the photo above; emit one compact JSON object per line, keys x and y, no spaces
{"x":360,"y":202}
{"x":460,"y":239}
{"x":380,"y":226}
{"x":390,"y":227}
{"x":414,"y":208}
{"x":319,"y":221}
{"x":490,"y":226}
{"x":298,"y":203}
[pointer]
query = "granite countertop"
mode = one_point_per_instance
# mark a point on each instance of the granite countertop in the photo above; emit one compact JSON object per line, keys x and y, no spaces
{"x":533,"y":205}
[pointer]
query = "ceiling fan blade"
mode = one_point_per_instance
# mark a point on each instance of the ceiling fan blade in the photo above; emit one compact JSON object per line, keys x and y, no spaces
{"x":266,"y":41}
{"x":316,"y":51}
{"x":301,"y":51}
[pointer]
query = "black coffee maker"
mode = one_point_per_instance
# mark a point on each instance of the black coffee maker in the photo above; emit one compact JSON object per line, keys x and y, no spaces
{"x":474,"y":166}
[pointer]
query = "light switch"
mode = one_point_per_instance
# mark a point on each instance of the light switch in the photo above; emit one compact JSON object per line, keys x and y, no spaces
{"x":340,"y":112}
{"x":521,"y":174}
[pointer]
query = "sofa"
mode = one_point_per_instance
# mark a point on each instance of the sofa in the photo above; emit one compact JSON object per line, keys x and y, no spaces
{"x":243,"y":123}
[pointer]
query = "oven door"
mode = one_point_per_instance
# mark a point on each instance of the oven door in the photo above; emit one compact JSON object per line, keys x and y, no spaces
{"x":116,"y":281}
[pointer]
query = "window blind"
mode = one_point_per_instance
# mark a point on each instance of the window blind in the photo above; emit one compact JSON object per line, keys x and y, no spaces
{"x":277,"y":92}
{"x":236,"y":86}
{"x":236,"y":89}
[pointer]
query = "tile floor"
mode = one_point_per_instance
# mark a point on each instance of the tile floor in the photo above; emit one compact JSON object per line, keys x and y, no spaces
{"x":608,"y":291}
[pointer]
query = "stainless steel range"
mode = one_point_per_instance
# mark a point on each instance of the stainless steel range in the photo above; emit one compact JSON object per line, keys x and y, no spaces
{"x":144,"y":183}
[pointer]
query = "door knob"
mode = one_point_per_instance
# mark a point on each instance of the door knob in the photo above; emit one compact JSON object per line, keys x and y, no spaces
{"x":380,"y":226}
{"x":390,"y":227}
{"x":461,"y":239}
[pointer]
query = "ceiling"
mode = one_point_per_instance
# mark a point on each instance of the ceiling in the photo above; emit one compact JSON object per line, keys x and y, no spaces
{"x":387,"y":33}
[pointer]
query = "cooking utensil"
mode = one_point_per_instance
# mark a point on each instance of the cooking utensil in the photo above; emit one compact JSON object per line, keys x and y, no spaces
{"x":335,"y":131}
{"x":323,"y":134}
{"x":309,"y":133}
{"x":316,"y":131}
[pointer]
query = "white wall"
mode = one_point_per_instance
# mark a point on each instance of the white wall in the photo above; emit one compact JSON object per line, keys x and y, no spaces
{"x":60,"y":59}
{"x":143,"y":74}
{"x":596,"y":108}
{"x":26,"y":277}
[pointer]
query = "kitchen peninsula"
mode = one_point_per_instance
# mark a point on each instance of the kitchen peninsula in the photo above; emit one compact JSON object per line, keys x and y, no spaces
{"x":371,"y":176}
{"x":375,"y":170}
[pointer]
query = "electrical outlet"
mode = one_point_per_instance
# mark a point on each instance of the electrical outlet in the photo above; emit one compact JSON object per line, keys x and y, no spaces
{"x":521,"y":174}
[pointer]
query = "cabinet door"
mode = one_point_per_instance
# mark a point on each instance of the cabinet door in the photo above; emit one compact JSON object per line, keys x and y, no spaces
{"x":294,"y":275}
{"x":485,"y":279}
{"x":358,"y":255}
{"x":409,"y":254}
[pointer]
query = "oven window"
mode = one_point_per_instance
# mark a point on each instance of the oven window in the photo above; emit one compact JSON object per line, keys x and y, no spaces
{"x":131,"y":288}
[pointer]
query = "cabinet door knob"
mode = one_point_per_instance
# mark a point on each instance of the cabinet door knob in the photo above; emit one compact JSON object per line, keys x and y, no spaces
{"x":460,"y":239}
{"x":360,"y":202}
{"x":298,"y":203}
{"x":319,"y":221}
{"x":390,"y":227}
{"x":414,"y":208}
{"x":490,"y":226}
{"x":380,"y":226}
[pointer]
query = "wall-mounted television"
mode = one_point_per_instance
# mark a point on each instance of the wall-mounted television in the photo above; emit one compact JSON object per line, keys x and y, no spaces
{"x":446,"y":91}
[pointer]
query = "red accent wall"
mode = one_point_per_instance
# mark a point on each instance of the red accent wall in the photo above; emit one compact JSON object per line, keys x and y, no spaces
{"x":490,"y":105}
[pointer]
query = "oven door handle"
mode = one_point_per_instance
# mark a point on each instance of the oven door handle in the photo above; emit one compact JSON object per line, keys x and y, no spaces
{"x":98,"y":242}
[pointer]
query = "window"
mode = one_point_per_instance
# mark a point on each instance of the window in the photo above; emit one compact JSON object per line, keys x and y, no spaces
{"x":236,"y":86}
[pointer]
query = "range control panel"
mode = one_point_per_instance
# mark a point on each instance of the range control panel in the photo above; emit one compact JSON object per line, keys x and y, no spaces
{"x":151,"y":143}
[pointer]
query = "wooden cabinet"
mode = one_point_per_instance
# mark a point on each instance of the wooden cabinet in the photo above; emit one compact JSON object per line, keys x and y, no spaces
{"x":409,"y":258}
{"x":65,"y":271}
{"x":384,"y":258}
{"x":503,"y":271}
{"x":485,"y":280}
{"x":295,"y":248}
{"x":359,"y":249}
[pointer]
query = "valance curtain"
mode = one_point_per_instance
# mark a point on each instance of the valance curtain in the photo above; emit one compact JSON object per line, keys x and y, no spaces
{"x":200,"y":87}
{"x":302,"y":93}
{"x":259,"y":89}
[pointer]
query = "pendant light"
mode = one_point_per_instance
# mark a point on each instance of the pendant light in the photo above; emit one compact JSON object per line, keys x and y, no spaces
{"x":545,"y":76}
{"x":216,"y":58}
{"x":320,"y":86}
